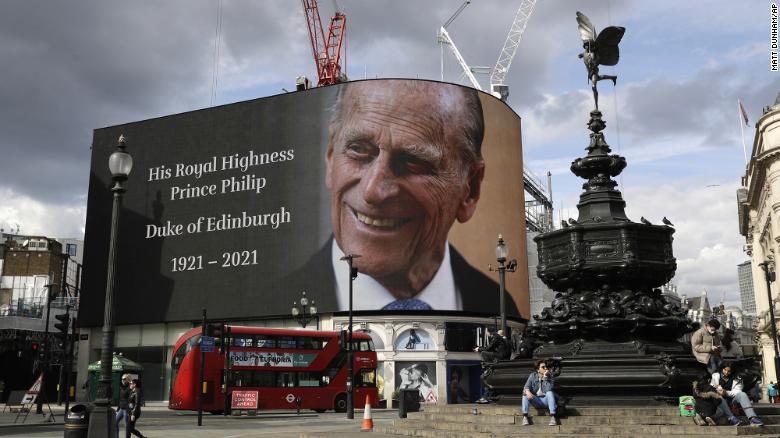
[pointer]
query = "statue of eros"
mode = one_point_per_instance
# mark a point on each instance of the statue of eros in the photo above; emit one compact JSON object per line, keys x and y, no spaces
{"x":599,"y":50}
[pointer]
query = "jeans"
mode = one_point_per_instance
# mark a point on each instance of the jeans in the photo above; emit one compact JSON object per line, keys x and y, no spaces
{"x":540,"y":401}
{"x":743,"y":401}
{"x":120,"y":414}
{"x":713,"y":365}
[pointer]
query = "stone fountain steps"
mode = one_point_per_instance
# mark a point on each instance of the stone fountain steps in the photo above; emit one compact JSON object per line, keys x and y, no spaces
{"x":596,"y":420}
{"x":458,"y":421}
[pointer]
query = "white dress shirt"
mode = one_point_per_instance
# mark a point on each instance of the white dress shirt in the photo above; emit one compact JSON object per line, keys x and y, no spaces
{"x":441,"y":293}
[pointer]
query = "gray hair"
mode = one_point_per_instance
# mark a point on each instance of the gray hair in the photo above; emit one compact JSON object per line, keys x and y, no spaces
{"x":472,"y":133}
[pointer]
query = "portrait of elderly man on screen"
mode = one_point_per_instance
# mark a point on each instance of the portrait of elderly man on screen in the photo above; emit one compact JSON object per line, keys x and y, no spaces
{"x":403,"y":163}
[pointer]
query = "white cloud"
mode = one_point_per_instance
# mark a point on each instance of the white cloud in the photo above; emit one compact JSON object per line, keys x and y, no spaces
{"x":707,"y":244}
{"x":37,"y":218}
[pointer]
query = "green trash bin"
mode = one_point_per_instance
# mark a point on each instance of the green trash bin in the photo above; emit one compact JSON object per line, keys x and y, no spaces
{"x":77,"y":422}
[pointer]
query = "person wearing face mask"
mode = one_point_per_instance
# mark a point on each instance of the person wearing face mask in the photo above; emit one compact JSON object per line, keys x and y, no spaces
{"x":706,"y":345}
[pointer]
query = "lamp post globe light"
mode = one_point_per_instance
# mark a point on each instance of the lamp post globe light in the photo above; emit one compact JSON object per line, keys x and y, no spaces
{"x":102,"y":420}
{"x":502,"y":253}
{"x":303,"y":311}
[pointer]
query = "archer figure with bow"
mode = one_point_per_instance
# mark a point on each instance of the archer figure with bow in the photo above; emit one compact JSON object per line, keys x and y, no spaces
{"x":599,"y":50}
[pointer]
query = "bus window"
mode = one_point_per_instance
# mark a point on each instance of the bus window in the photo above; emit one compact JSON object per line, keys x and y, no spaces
{"x":265,"y":379}
{"x":309,"y":379}
{"x":263,"y":341}
{"x":311,"y":343}
{"x":178,"y":357}
{"x":286,"y":380}
{"x":241,"y":378}
{"x":243,"y":341}
{"x":362,"y":346}
{"x":286,"y":342}
{"x":366,"y":378}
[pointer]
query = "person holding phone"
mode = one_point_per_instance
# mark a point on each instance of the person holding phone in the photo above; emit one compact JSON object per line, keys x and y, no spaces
{"x":538,"y":391}
{"x":706,"y":345}
{"x":729,"y":386}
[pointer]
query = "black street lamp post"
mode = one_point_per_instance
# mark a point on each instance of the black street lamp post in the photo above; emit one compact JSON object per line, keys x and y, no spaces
{"x":769,"y":275}
{"x":353,"y":271}
{"x":102,"y":421}
{"x":306,"y":312}
{"x":502,"y":252}
{"x":44,"y":356}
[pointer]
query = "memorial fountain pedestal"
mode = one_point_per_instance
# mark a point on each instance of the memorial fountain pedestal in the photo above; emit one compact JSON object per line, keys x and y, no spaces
{"x":609,"y":335}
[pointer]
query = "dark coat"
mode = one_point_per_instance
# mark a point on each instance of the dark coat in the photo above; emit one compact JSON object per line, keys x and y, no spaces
{"x":706,"y":398}
{"x":500,"y":346}
{"x":124,"y":396}
{"x":479,"y":293}
{"x":134,"y":403}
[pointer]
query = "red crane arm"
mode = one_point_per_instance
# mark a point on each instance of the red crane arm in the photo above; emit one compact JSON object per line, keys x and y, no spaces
{"x":316,"y":34}
{"x":336,"y":33}
{"x":326,"y":51}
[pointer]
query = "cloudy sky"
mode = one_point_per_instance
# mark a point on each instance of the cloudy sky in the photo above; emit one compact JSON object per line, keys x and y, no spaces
{"x":67,"y":68}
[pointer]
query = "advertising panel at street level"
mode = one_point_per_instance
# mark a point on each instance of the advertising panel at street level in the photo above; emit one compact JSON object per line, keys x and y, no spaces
{"x":242,"y":207}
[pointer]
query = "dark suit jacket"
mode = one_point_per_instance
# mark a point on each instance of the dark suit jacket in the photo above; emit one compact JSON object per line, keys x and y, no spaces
{"x":479,"y":292}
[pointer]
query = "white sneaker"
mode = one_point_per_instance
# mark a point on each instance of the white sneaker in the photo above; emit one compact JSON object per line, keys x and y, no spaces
{"x":553,"y":421}
{"x":525,"y":421}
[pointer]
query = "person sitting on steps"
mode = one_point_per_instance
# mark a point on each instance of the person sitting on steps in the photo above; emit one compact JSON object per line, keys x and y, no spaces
{"x":729,"y":387}
{"x":708,"y":402}
{"x":497,"y":349}
{"x":538,"y":391}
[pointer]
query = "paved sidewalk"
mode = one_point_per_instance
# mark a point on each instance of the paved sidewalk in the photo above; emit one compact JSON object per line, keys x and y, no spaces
{"x":158,"y":421}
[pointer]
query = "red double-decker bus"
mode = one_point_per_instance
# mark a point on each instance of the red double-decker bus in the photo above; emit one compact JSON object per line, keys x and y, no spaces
{"x":285,"y":367}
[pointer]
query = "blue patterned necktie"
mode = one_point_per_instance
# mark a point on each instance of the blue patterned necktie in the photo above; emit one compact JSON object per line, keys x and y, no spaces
{"x":408,"y":304}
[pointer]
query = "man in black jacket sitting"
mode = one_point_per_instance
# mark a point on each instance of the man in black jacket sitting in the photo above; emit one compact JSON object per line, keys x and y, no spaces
{"x":497,"y":349}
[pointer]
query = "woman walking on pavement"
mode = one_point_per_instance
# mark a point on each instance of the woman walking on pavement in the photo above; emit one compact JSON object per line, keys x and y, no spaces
{"x":124,"y":399}
{"x":134,"y":407}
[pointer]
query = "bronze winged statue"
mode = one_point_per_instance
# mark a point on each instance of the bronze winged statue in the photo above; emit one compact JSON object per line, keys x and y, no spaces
{"x":599,"y":50}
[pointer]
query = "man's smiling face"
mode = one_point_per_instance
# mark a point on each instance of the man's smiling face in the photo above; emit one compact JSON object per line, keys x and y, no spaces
{"x":398,"y":178}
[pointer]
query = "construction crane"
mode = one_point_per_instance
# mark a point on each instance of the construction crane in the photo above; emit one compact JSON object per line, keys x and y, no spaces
{"x":444,"y":38}
{"x":498,"y":73}
{"x":327,"y":49}
{"x":497,"y":76}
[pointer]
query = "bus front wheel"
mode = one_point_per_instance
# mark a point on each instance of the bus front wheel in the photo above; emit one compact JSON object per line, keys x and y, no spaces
{"x":341,"y":403}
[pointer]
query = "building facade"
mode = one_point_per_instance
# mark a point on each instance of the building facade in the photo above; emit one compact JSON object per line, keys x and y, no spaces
{"x":758,"y":209}
{"x":698,"y":308}
{"x":36,"y":281}
{"x":747,"y":294}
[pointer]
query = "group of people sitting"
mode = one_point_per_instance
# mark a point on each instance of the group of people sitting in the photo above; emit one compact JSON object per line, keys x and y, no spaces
{"x":718,"y":392}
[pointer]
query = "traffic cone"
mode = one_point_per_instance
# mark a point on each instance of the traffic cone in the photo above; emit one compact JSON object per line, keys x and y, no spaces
{"x":368,"y":423}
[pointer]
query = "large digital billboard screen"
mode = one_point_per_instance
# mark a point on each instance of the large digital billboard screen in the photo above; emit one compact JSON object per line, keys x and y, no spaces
{"x":239,"y":208}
